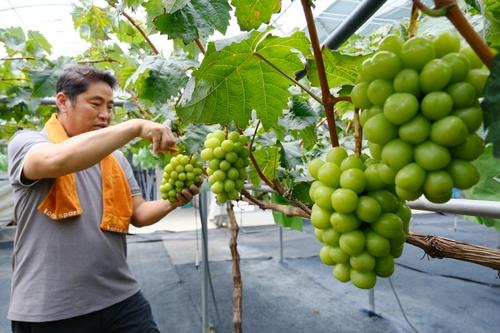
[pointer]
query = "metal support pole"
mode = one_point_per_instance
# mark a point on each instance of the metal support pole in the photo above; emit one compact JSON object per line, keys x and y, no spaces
{"x":203,"y":196}
{"x":460,"y":206}
{"x":281,"y":244}
{"x":351,"y":24}
{"x":371,"y":301}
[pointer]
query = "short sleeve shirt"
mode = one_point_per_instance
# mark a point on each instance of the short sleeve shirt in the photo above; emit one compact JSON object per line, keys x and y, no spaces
{"x":66,"y":268}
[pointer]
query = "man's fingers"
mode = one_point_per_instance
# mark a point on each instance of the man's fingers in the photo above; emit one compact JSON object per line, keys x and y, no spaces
{"x":156,"y":143}
{"x":194,"y":189}
{"x":187,"y":194}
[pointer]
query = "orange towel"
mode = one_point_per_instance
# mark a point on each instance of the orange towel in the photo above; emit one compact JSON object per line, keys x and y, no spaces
{"x":62,"y":200}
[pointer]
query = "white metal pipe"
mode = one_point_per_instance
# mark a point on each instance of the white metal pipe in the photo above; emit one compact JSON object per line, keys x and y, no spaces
{"x":460,"y":206}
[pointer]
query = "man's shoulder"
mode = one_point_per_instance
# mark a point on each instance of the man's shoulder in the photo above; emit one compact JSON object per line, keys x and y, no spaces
{"x":26,"y":134}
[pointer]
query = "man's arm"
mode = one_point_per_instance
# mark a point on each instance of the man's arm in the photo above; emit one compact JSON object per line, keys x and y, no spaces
{"x":149,"y":212}
{"x":84,"y":150}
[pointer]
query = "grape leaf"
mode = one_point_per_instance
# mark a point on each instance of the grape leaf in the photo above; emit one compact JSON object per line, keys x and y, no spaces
{"x":341,"y":69}
{"x":252,"y":13}
{"x":491,"y":105}
{"x":171,"y":6}
{"x":492,"y":15}
{"x":44,"y":82}
{"x":158,"y":78}
{"x":290,"y":154}
{"x":14,"y":39}
{"x":198,"y":19}
{"x":300,"y":116}
{"x":37,"y":43}
{"x":193,"y":138}
{"x":234,"y":81}
{"x":92,"y":22}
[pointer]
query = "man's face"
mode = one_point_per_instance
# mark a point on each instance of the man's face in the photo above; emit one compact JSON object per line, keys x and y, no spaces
{"x":91,"y":110}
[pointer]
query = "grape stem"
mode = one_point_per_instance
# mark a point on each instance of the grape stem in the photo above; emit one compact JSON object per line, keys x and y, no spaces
{"x":138,"y":27}
{"x":200,"y":45}
{"x":285,"y":209}
{"x":275,"y":185}
{"x":433,"y":12}
{"x":325,"y":90}
{"x":412,"y":27}
{"x":358,"y":133}
{"x":237,"y":282}
{"x":455,"y":15}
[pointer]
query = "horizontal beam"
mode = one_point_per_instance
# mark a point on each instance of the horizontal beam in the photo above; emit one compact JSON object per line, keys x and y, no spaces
{"x":460,"y":206}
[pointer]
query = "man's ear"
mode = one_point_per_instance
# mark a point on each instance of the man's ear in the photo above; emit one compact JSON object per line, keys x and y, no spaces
{"x":62,"y":101}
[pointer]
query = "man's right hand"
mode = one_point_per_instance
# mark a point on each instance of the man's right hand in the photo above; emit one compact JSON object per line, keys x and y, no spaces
{"x":159,"y":135}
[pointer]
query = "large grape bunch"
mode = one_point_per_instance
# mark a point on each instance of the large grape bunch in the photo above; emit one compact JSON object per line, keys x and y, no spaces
{"x":360,"y":221}
{"x":420,"y":113}
{"x":227,"y":158}
{"x":181,"y":172}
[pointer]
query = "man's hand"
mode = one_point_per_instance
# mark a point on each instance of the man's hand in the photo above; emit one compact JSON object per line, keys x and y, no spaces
{"x":186,"y":195}
{"x":159,"y":135}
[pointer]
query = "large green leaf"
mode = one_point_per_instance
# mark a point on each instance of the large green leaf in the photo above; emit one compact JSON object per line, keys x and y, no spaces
{"x":300,"y":116}
{"x":92,"y":22}
{"x":492,"y":14}
{"x":37,"y":43}
{"x":158,"y":78}
{"x":198,"y":19}
{"x":13,"y":38}
{"x":491,"y":105}
{"x":234,"y":81}
{"x":341,"y":69}
{"x":44,"y":82}
{"x":290,"y":154}
{"x":252,"y":13}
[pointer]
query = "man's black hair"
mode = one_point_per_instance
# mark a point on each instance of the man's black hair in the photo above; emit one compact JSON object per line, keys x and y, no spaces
{"x":75,"y":80}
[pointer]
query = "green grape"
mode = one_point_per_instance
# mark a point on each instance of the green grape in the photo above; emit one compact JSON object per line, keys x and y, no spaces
{"x":446,"y":42}
{"x":373,"y":180}
{"x":435,"y":75}
{"x":415,"y":131}
{"x":407,"y":81}
{"x":339,"y":256}
{"x":470,"y":149}
{"x":368,"y":209}
{"x":474,"y":60}
{"x":324,"y":256}
{"x":330,"y":237}
{"x":437,"y":184}
{"x":431,"y":156}
{"x":351,"y":162}
{"x":400,"y":107}
{"x":459,"y":64}
{"x":359,"y":96}
{"x":344,"y":222}
{"x":352,"y":242}
{"x":397,"y":153}
{"x":322,"y":196}
{"x":342,"y":272}
{"x":314,"y":166}
{"x":416,"y":52}
{"x":388,"y":225}
{"x":353,"y":179}
{"x":363,"y":280}
{"x":380,"y":130}
{"x":391,"y":43}
{"x":463,"y":173}
{"x":463,"y":94}
{"x":449,"y":131}
{"x":368,"y":113}
{"x":344,"y":200}
{"x":385,"y":65}
{"x":363,"y":262}
{"x":411,"y":177}
{"x":377,"y":245}
{"x":477,"y":77}
{"x":436,"y":105}
{"x":336,"y":155}
{"x":375,"y":150}
{"x":384,"y":267}
{"x":472,"y":117}
{"x":320,"y":218}
{"x":387,"y":200}
{"x":329,"y":174}
{"x":378,"y":91}
{"x":408,"y":194}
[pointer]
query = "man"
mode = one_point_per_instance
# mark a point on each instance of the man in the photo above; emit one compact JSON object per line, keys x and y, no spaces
{"x":74,"y":197}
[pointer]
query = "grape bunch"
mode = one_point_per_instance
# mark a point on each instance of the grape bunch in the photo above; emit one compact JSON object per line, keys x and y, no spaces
{"x":227,"y":158}
{"x":181,"y":172}
{"x":360,"y":221}
{"x":420,"y":113}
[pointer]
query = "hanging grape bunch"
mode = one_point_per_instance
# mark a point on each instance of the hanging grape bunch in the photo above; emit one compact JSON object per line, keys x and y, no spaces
{"x":420,"y":113}
{"x":360,"y":221}
{"x":181,"y":172}
{"x":227,"y":159}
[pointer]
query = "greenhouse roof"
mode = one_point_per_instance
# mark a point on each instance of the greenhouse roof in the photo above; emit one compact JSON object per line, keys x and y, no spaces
{"x":53,"y":19}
